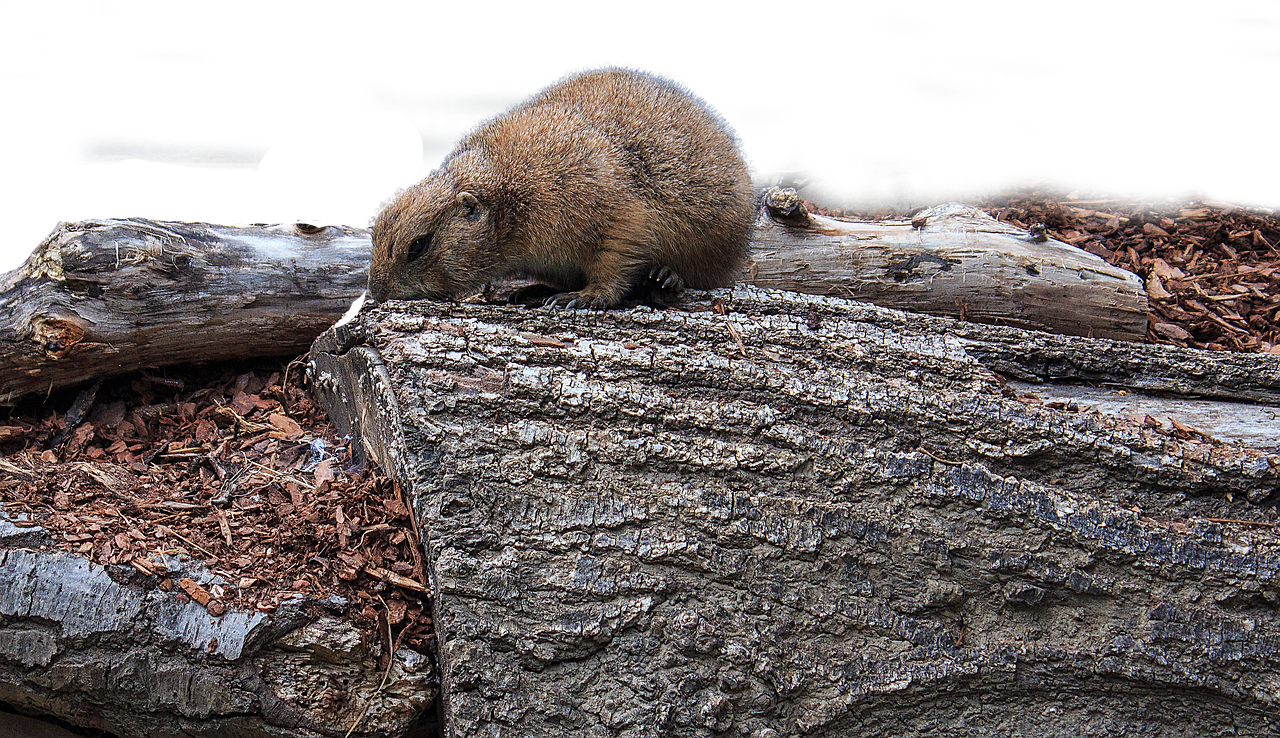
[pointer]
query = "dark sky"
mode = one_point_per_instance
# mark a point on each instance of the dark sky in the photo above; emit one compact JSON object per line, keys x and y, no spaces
{"x":1153,"y":99}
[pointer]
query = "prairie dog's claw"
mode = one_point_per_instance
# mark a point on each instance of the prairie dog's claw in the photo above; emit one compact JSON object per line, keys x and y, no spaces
{"x":667,"y":279}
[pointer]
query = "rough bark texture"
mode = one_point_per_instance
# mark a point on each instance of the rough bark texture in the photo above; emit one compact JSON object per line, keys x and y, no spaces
{"x":807,"y":516}
{"x":105,"y":649}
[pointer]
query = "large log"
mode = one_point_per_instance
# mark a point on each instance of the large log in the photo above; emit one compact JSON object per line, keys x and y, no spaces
{"x":103,"y":297}
{"x":809,"y":516}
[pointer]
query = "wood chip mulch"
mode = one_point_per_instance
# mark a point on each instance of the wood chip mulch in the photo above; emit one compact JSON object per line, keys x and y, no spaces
{"x":1212,"y":270}
{"x":233,"y":466}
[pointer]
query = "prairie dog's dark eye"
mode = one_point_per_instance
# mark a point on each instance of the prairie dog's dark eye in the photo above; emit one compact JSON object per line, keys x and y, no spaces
{"x":419,"y":246}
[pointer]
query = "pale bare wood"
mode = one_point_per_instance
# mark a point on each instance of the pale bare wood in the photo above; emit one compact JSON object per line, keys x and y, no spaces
{"x":110,"y":296}
{"x":952,"y":260}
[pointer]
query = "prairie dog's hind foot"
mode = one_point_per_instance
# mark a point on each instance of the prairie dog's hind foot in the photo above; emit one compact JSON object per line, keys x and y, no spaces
{"x":532,"y":295}
{"x":587,"y":298}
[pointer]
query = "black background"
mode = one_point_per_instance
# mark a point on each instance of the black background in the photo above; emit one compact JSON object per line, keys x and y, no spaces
{"x":1133,"y":95}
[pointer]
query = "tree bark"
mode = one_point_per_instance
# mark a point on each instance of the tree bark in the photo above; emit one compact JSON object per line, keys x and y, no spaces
{"x":809,"y":516}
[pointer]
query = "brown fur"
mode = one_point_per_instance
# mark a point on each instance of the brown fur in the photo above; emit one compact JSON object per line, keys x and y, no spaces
{"x":589,"y":186}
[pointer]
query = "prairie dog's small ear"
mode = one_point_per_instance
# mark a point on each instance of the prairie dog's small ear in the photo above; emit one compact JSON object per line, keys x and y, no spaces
{"x":468,"y":200}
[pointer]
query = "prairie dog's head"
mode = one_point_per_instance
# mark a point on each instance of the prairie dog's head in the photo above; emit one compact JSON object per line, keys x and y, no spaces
{"x":434,"y":240}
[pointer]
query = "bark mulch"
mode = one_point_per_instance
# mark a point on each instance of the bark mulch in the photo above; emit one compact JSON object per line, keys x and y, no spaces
{"x":232,"y":465}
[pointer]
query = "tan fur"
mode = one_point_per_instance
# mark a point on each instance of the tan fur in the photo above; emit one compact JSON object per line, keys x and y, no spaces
{"x":588,"y":186}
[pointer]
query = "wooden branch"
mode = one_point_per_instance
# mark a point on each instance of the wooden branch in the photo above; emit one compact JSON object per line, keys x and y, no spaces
{"x":809,"y":517}
{"x":104,"y":297}
{"x":952,"y":260}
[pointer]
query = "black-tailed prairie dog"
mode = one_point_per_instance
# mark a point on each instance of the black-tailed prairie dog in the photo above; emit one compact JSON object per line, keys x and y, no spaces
{"x":604,"y":181}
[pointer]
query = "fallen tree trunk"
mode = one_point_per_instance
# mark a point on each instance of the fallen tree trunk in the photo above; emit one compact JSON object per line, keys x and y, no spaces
{"x":809,"y":516}
{"x":105,"y":297}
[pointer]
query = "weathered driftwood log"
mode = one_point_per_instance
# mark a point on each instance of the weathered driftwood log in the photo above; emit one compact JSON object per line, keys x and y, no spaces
{"x":102,"y":297}
{"x":808,"y":516}
{"x":105,"y":649}
{"x":952,"y":260}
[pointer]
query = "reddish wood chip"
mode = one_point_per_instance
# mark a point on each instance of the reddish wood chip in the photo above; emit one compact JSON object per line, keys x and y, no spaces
{"x":285,"y":425}
{"x":194,"y":591}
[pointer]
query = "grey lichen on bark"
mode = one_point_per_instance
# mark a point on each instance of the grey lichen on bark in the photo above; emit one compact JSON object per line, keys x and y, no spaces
{"x":806,"y":516}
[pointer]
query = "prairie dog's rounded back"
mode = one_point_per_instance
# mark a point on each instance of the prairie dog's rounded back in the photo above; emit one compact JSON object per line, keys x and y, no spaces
{"x":590,"y":185}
